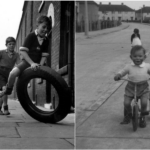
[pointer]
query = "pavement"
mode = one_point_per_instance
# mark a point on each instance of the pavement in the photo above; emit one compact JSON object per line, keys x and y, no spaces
{"x":99,"y":99}
{"x":85,"y":108}
{"x":20,"y":131}
{"x":91,"y":34}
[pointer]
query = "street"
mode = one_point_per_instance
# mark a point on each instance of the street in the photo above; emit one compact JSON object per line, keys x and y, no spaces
{"x":99,"y":99}
{"x":20,"y":131}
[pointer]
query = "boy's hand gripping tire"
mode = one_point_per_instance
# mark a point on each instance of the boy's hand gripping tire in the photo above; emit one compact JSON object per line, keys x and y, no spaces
{"x":57,"y":82}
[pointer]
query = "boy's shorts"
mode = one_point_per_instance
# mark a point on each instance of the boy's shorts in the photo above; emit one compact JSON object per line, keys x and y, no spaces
{"x":141,"y":89}
{"x":23,"y":65}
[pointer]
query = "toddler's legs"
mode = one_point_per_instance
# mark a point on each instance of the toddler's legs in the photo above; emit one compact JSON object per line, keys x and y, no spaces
{"x":127,"y":104}
{"x":144,"y":99}
{"x":128,"y":109}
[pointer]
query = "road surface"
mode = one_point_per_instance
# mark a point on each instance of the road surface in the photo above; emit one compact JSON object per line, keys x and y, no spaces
{"x":99,"y":99}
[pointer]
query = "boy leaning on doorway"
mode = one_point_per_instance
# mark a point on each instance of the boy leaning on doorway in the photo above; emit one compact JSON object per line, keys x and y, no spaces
{"x":8,"y":59}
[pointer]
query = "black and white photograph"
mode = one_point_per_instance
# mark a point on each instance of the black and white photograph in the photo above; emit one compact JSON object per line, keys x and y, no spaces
{"x":112,"y":74}
{"x":37,"y":74}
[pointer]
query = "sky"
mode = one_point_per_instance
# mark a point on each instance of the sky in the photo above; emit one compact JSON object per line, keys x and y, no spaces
{"x":10,"y":16}
{"x":132,"y":3}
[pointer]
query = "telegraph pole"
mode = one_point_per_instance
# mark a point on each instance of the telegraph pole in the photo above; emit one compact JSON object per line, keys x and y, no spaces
{"x":86,"y":22}
{"x":141,"y":15}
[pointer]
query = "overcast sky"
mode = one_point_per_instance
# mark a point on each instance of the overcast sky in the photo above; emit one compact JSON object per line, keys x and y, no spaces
{"x":10,"y":15}
{"x":132,"y":4}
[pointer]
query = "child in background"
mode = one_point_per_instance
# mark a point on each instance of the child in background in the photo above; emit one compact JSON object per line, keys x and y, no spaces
{"x":135,"y":38}
{"x":8,"y":59}
{"x":33,"y":52}
{"x":137,"y":72}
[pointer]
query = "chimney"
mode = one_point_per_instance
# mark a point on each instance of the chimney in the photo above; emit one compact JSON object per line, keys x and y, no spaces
{"x":122,"y":4}
{"x":109,"y":3}
{"x":143,"y":5}
{"x":100,"y":3}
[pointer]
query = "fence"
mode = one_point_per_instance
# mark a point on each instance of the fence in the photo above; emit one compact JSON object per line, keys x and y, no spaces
{"x":97,"y":25}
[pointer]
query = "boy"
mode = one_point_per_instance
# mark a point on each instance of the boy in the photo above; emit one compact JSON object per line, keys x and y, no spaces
{"x":33,"y":52}
{"x":8,"y":58}
{"x":137,"y":72}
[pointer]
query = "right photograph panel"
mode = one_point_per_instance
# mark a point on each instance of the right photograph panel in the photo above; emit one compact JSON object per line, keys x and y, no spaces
{"x":112,"y":74}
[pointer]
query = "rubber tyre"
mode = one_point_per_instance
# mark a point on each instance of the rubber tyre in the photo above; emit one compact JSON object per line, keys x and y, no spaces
{"x":135,"y":117}
{"x":60,"y":86}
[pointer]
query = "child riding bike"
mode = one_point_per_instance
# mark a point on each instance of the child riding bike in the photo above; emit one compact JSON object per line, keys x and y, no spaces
{"x":137,"y":72}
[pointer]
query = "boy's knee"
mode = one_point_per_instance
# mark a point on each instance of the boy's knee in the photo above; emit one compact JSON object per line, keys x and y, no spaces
{"x":127,"y":102}
{"x":15,"y":72}
{"x":4,"y":87}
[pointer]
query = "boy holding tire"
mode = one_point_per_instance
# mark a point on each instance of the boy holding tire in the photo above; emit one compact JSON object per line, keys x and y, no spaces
{"x":8,"y":58}
{"x":33,"y":52}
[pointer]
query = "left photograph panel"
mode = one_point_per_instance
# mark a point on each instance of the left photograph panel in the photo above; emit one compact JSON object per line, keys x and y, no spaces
{"x":37,"y":76}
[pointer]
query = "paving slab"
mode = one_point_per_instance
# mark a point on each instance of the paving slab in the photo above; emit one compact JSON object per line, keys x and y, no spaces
{"x":71,"y":141}
{"x":34,"y":143}
{"x":9,"y":132}
{"x":112,"y":143}
{"x":33,"y":124}
{"x":20,"y":131}
{"x":55,"y":132}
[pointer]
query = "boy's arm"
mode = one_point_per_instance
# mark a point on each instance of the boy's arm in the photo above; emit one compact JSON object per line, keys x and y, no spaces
{"x":149,"y":69}
{"x":45,"y":53}
{"x":123,"y":72}
{"x":43,"y":58}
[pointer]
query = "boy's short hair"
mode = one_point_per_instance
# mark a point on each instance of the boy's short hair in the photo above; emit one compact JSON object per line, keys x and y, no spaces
{"x":42,"y":19}
{"x":136,"y":31}
{"x":137,"y":48}
{"x":10,"y":39}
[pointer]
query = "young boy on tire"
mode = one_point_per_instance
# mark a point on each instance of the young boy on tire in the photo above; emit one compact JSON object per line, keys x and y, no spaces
{"x":33,"y":52}
{"x":8,"y":59}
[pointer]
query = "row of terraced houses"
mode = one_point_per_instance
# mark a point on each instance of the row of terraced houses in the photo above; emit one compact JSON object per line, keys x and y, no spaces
{"x":98,"y":13}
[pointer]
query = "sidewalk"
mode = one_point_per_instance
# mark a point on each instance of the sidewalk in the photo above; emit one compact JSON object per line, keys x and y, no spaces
{"x":91,"y":103}
{"x":81,"y":36}
{"x":20,"y":131}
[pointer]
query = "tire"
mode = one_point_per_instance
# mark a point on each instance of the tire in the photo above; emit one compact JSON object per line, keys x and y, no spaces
{"x":135,"y":117}
{"x":58,"y":83}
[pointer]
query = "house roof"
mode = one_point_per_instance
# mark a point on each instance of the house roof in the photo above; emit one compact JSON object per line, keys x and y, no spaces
{"x":89,"y":3}
{"x":111,"y":7}
{"x":144,"y":10}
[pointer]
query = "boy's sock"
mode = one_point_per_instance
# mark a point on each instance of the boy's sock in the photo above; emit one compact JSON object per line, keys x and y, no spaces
{"x":6,"y":112}
{"x":1,"y":113}
{"x":8,"y":90}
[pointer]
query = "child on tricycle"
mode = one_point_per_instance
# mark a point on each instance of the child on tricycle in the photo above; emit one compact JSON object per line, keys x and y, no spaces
{"x":137,"y":72}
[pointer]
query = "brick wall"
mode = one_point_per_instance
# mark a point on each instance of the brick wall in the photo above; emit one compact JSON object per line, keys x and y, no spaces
{"x":28,"y":24}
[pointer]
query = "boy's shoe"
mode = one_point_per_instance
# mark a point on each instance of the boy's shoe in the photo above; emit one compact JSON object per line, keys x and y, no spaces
{"x":142,"y":122}
{"x":6,"y":112}
{"x":126,"y":120}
